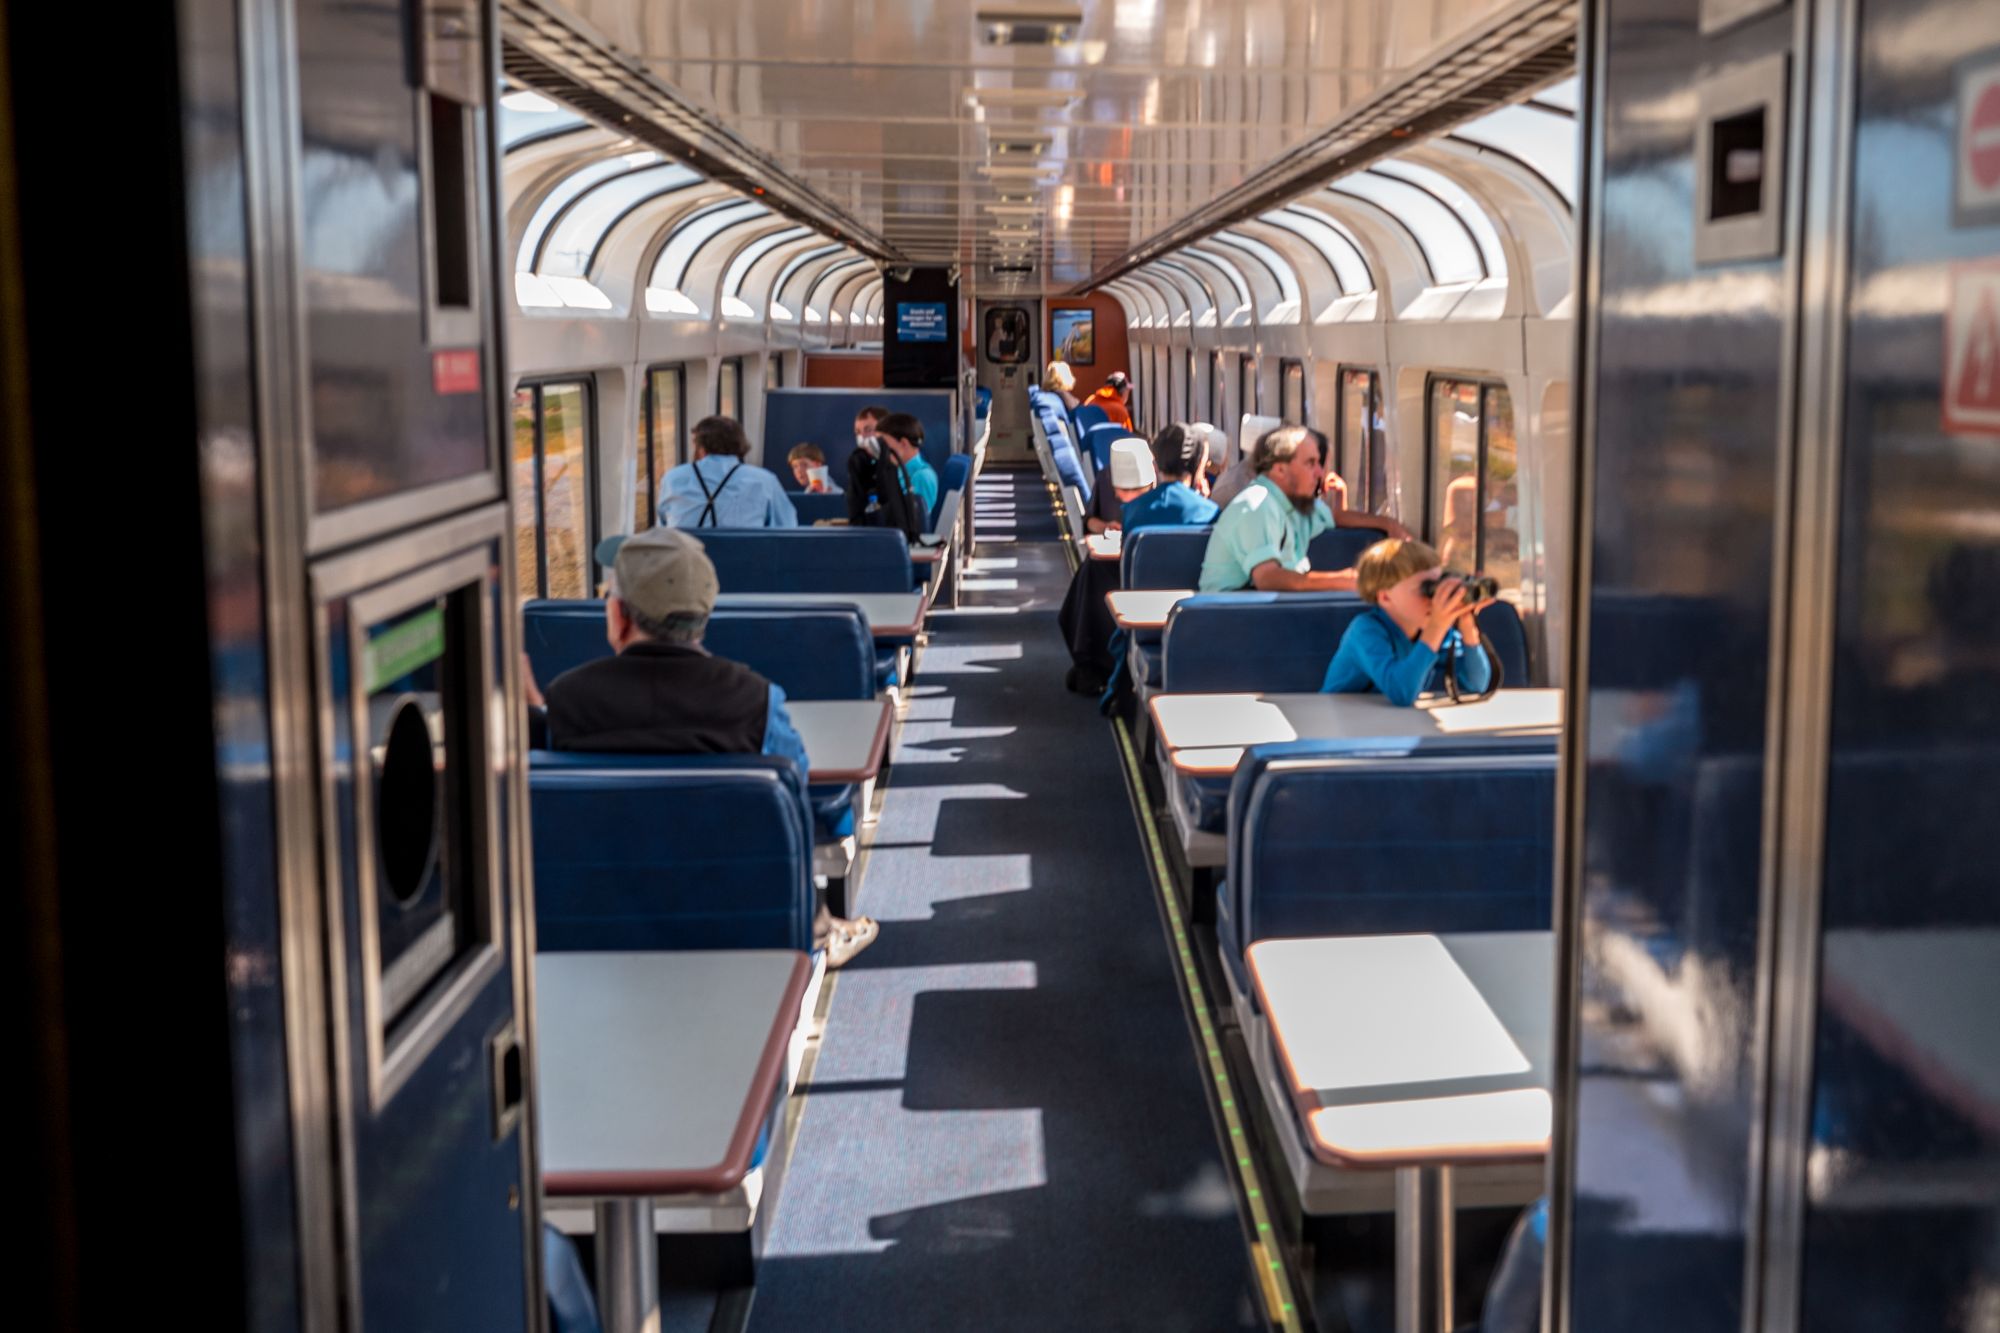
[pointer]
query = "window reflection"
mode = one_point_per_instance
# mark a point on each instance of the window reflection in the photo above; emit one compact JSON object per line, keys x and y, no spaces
{"x":527,"y":547}
{"x":1475,"y":495}
{"x":565,"y":518}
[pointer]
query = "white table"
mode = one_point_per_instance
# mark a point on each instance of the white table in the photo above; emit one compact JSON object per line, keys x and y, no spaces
{"x":890,"y":615}
{"x":657,"y":1071}
{"x":1104,"y":545}
{"x":845,"y":738}
{"x":1207,"y":733}
{"x":1415,"y":1053}
{"x":1143,"y":608}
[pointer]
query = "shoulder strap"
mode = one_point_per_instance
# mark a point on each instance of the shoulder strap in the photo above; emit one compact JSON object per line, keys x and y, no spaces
{"x":707,"y":519}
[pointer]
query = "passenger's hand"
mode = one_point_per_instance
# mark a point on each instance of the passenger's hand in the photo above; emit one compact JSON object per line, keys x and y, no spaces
{"x":1391,"y":528}
{"x":529,"y":689}
{"x":1114,"y":526}
{"x":1447,"y":604}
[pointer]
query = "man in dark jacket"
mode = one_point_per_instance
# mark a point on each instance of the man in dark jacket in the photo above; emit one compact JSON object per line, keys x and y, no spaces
{"x":662,"y":692}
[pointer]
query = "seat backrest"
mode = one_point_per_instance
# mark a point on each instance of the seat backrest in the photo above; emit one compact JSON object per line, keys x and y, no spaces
{"x":949,"y":503}
{"x":1088,"y":415}
{"x":808,"y":559}
{"x":817,"y":508}
{"x":811,"y":651}
{"x":1098,"y":440}
{"x":1067,"y":466}
{"x":670,"y":852}
{"x":1339,"y":548}
{"x":1384,"y":836}
{"x":982,"y":398}
{"x":1163,"y":557}
{"x":1276,"y":642}
{"x":1500,"y":626}
{"x":957,"y":469}
{"x":561,"y":633}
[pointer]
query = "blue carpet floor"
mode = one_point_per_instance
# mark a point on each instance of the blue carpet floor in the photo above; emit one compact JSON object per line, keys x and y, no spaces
{"x":1005,"y":1128}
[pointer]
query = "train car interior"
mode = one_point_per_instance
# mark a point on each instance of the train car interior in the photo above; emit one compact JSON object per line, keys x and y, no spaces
{"x":1180,"y":665}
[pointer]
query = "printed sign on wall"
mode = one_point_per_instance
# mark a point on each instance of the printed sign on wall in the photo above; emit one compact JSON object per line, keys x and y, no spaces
{"x":1976,"y":201}
{"x":1972,"y":350}
{"x":920,"y":321}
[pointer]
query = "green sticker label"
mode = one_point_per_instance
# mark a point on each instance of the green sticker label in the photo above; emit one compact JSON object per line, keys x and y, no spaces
{"x":401,"y":649}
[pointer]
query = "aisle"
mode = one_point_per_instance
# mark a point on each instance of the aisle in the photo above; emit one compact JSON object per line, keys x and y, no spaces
{"x":1005,"y":1129}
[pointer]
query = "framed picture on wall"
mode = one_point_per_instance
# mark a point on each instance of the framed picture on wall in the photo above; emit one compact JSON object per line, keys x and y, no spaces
{"x":1074,"y":333}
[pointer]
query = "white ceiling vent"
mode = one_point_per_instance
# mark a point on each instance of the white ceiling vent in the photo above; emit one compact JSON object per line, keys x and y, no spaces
{"x":1029,"y":26}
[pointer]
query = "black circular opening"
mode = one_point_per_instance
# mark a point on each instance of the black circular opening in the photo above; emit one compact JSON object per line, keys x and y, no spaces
{"x":406,"y":805}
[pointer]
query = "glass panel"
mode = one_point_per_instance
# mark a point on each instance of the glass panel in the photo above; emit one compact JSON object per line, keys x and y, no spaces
{"x":567,"y":189}
{"x":1454,"y":426}
{"x":525,"y":115}
{"x":1292,"y":393}
{"x":1246,"y":387}
{"x":1447,"y":245}
{"x":1188,"y":383}
{"x":739,"y":267}
{"x":1228,"y":269}
{"x":671,"y":268}
{"x":729,"y":390}
{"x":1288,"y":281}
{"x":1380,"y":499}
{"x":1331,"y":240}
{"x":1351,"y":447}
{"x":784,"y":290}
{"x":565,"y":489}
{"x":574,"y":238}
{"x":1544,"y":140}
{"x":774,"y":372}
{"x":1562,"y":95}
{"x":665,"y":425}
{"x":1500,"y":498}
{"x":1468,"y":209}
{"x":527,"y":555}
{"x":1218,"y":391}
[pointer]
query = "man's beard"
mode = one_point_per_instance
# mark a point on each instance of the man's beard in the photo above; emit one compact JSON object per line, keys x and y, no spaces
{"x":1304,"y":503}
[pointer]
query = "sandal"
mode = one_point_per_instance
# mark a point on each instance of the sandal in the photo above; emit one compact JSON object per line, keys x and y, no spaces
{"x":850,"y":938}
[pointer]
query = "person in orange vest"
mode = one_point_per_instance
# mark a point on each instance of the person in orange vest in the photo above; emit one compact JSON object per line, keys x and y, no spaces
{"x":1117,"y":392}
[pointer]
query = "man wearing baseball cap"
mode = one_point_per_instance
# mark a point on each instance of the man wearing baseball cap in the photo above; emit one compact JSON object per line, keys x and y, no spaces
{"x":662,"y":692}
{"x":1113,"y":398}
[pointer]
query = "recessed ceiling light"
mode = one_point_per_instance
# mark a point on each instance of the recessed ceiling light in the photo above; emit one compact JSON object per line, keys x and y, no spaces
{"x":1013,"y":210}
{"x":1024,"y":171}
{"x":1021,"y":98}
{"x":1018,"y":145}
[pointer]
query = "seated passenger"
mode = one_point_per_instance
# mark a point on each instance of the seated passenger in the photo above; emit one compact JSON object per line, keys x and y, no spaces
{"x":1062,"y":383}
{"x":1127,"y":476}
{"x":904,"y":435}
{"x":809,"y":470}
{"x":879,"y":494}
{"x":662,"y":693}
{"x":1400,"y":645}
{"x":1238,"y":473}
{"x":1180,"y":457}
{"x":720,"y":489}
{"x":1261,"y":539}
{"x":1113,"y":397}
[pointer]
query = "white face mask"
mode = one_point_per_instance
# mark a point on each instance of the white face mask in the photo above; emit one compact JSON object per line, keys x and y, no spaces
{"x":865,"y":443}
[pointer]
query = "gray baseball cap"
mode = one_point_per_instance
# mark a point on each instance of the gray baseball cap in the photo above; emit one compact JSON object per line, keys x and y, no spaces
{"x":662,"y":573}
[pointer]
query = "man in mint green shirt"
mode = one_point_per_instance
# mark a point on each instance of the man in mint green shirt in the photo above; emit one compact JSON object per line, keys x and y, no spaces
{"x":1260,"y":540}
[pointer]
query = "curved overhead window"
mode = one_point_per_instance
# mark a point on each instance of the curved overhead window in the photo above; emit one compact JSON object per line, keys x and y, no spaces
{"x":1280,"y":267}
{"x":572,"y":239}
{"x":1227,"y":267}
{"x":1447,"y":244}
{"x":1328,"y":237}
{"x":1562,"y":96}
{"x":670,"y":270}
{"x":526,"y":116}
{"x":739,"y":267}
{"x":845,"y":267}
{"x":1458,"y":201}
{"x":566,"y":190}
{"x":1544,"y":139}
{"x":780,"y":290}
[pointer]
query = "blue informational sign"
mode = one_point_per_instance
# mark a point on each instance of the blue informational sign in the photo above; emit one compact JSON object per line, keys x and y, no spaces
{"x":920,"y":321}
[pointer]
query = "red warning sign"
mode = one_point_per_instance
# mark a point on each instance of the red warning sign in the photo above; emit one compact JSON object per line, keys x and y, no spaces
{"x":1978,"y":198}
{"x":1972,"y":350}
{"x":455,"y":370}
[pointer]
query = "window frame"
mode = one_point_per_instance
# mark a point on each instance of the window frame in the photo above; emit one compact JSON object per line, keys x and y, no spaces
{"x":1286,"y":366}
{"x":648,"y":423}
{"x":1362,"y":477}
{"x":539,"y":387}
{"x":1432,"y":518}
{"x":729,"y":365}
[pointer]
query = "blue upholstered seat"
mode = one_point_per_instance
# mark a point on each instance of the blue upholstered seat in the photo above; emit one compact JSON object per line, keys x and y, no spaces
{"x":1163,"y":557}
{"x":812,"y":651}
{"x":1383,"y":836}
{"x":1097,"y":441}
{"x":670,"y":852}
{"x":808,"y":559}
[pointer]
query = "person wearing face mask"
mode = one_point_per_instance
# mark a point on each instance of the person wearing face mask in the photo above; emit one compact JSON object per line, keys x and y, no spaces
{"x":879,"y":493}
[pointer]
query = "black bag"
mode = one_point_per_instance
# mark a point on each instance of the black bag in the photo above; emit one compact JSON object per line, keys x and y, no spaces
{"x":878,"y":495}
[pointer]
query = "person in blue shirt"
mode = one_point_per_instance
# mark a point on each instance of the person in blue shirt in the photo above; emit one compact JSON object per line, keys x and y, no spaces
{"x":1180,"y":461}
{"x":1400,"y":643}
{"x":721,"y":488}
{"x":904,"y":436}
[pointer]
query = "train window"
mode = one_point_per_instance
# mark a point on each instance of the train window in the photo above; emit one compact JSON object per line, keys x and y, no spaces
{"x":1218,"y":394}
{"x":661,"y":445}
{"x":1187,"y":384}
{"x":1362,"y":440}
{"x":552,"y":527}
{"x":1292,"y":392}
{"x":774,"y":371}
{"x":1474,"y":496}
{"x":729,"y":388}
{"x":1246,"y":386}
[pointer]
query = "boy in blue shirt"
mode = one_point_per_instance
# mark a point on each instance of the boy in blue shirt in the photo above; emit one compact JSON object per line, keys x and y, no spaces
{"x":1180,"y":457}
{"x":1401,"y":642}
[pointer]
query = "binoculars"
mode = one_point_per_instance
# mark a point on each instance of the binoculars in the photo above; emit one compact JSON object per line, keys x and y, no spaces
{"x":1478,"y":587}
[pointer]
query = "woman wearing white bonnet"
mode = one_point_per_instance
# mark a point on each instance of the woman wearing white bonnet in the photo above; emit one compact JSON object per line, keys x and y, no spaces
{"x":1129,"y":475}
{"x":1063,"y":380}
{"x":1239,"y":474}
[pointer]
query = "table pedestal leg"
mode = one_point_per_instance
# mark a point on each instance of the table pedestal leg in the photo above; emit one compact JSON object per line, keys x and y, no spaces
{"x":628,"y":1266}
{"x":1423,"y":1249}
